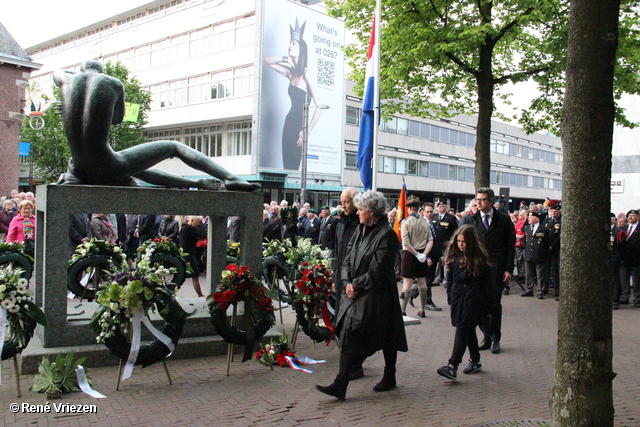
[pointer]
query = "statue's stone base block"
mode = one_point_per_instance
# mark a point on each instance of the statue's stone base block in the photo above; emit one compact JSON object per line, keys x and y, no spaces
{"x":55,"y":203}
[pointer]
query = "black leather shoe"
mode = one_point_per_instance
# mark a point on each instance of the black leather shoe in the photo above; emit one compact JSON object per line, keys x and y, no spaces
{"x":540,"y":295}
{"x":495,"y":347}
{"x":338,"y":389}
{"x":485,"y":344}
{"x":505,"y":291}
{"x":527,"y":294}
{"x":387,"y":383}
{"x":624,"y":302}
{"x":356,"y":373}
{"x":615,"y":306}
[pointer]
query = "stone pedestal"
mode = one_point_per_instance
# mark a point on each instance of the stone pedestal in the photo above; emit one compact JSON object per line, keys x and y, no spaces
{"x":55,"y":203}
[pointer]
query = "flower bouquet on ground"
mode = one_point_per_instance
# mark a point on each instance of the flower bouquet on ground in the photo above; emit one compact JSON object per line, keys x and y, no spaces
{"x":239,"y":285}
{"x":275,"y":353}
{"x":18,"y":312}
{"x":126,"y":301}
{"x":278,"y":353}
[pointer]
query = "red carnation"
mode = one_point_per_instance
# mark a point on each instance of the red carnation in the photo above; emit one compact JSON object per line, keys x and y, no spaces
{"x":231,"y":267}
{"x":217,"y":296}
{"x":228,"y":296}
{"x":299,"y":284}
{"x":305,"y":291}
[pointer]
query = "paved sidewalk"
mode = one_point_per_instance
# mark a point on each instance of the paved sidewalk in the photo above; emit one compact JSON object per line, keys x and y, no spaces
{"x":515,"y":384}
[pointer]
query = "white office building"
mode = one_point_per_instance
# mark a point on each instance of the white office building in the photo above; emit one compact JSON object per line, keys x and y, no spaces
{"x":228,"y":79}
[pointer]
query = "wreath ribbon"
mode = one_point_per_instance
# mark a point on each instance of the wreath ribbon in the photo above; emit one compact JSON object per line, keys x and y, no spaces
{"x":3,"y":328}
{"x":135,"y":341}
{"x":84,"y":384}
{"x":326,"y":316}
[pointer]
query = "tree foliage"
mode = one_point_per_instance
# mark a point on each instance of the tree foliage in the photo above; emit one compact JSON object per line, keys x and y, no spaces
{"x":445,"y":57}
{"x":49,"y":148}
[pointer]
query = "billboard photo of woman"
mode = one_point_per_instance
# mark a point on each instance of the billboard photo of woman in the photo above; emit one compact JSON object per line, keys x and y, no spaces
{"x":293,"y":66}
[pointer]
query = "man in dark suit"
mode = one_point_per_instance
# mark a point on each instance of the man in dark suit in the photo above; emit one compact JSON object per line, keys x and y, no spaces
{"x":614,"y":253}
{"x":553,"y":223}
{"x":497,"y":234}
{"x":311,"y":227}
{"x":328,"y":223}
{"x":79,"y":230}
{"x":445,"y":225}
{"x":630,"y":253}
{"x":536,"y":248}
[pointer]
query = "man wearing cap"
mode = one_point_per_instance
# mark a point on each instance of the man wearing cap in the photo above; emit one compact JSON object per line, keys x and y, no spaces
{"x":327,"y":229}
{"x":630,"y":253}
{"x":311,"y":229}
{"x":536,"y":250}
{"x":496,"y":232}
{"x":417,"y":242}
{"x":445,"y":225}
{"x":553,"y":224}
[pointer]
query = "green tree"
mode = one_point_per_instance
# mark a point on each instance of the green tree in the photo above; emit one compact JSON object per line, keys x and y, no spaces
{"x":582,"y":391}
{"x":443,"y":57}
{"x":50,"y":151}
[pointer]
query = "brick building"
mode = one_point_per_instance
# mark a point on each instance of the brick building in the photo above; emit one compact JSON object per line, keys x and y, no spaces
{"x":15,"y":69}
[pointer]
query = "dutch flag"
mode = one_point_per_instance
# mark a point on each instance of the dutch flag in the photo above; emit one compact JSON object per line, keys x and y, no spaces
{"x":367,"y":123}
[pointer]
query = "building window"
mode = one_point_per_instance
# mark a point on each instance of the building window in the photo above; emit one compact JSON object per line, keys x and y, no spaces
{"x":401,"y":166}
{"x":238,"y":139}
{"x":423,"y":168}
{"x":402,"y":126}
{"x":412,"y":167}
{"x":389,"y":164}
{"x":351,"y":160}
{"x":353,"y":116}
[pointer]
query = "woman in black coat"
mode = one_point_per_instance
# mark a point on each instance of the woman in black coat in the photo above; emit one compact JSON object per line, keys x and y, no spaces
{"x":369,"y":317}
{"x":468,"y":294}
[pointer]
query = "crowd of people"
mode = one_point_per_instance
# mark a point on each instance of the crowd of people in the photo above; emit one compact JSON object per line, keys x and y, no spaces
{"x":474,"y":254}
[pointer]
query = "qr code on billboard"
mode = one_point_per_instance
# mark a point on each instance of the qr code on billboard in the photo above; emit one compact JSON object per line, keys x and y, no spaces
{"x":326,"y":72}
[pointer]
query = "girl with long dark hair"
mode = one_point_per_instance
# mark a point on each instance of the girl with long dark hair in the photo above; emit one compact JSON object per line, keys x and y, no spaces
{"x":468,"y":294}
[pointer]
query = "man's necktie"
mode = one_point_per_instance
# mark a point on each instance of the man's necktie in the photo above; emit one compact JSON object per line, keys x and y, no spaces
{"x":486,"y":222}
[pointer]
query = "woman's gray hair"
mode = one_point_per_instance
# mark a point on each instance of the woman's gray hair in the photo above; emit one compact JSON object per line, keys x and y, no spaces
{"x":373,"y":201}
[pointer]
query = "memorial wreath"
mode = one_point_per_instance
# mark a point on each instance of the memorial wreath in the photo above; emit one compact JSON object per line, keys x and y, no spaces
{"x":18,"y":311}
{"x":239,"y":285}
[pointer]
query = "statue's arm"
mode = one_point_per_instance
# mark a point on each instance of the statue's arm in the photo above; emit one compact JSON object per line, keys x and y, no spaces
{"x":60,"y":76}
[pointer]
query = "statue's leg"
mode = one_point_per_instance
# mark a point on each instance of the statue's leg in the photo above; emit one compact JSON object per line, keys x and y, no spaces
{"x":141,"y":157}
{"x":158,"y":177}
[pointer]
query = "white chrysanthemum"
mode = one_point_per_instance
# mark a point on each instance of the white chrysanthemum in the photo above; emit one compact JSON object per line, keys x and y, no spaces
{"x":6,"y":304}
{"x":22,"y":281}
{"x":14,"y":309}
{"x":3,"y":288}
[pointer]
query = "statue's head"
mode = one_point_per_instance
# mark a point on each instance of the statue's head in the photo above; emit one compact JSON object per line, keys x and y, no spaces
{"x":91,"y":64}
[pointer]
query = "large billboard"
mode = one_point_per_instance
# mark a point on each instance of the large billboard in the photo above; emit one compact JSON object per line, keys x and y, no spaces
{"x":302,"y":62}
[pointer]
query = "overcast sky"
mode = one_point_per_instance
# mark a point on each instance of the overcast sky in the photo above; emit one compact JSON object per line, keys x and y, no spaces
{"x":33,"y":21}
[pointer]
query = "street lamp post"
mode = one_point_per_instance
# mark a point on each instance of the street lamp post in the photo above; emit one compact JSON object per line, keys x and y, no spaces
{"x":305,"y":146}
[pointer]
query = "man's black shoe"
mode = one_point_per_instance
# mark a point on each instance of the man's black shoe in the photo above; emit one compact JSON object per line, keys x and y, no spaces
{"x":356,"y":373}
{"x":495,"y":347}
{"x":540,"y":295}
{"x":505,"y":291}
{"x":615,"y":306}
{"x":485,"y":344}
{"x":624,"y":302}
{"x":527,"y":294}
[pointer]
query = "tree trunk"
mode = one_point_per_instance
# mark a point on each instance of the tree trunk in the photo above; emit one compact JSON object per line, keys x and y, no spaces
{"x":484,"y":79}
{"x":582,"y":390}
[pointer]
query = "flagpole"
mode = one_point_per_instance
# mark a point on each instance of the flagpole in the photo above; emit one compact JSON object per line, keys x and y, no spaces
{"x":376,"y":97}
